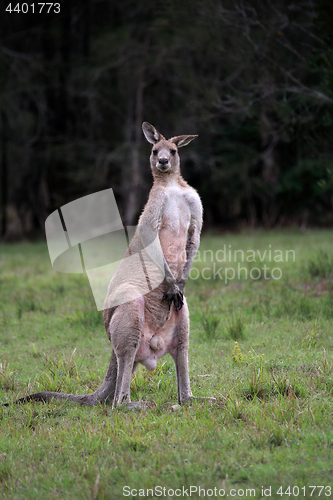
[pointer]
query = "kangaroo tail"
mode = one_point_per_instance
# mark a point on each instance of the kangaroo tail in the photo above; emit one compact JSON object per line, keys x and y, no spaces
{"x":104,"y":394}
{"x":46,"y":396}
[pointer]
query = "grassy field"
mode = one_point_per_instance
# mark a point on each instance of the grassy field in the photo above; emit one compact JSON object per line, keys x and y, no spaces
{"x":261,"y":347}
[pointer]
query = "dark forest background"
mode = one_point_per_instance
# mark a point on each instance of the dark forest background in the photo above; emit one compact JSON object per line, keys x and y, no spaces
{"x":254,"y":78}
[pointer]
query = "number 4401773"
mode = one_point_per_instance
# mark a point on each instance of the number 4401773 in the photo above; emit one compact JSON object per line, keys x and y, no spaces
{"x":33,"y":8}
{"x":295,"y":491}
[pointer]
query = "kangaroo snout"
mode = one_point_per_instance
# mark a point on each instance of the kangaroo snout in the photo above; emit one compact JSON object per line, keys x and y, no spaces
{"x":163,"y":164}
{"x":163,"y":161}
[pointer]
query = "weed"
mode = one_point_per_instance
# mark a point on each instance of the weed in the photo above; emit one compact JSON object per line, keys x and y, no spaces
{"x":321,"y":265}
{"x":34,"y":351}
{"x":27,"y":302}
{"x":235,"y":407}
{"x":30,"y":417}
{"x":6,"y":377}
{"x":137,"y":445}
{"x":87,"y":318}
{"x":281,"y":383}
{"x":67,"y":366}
{"x":4,"y":318}
{"x":286,"y":385}
{"x":6,"y":473}
{"x":326,"y":366}
{"x":160,"y":383}
{"x":256,"y":383}
{"x":210,"y":321}
{"x":324,"y":374}
{"x":236,"y":355}
{"x":328,"y":310}
{"x":236,"y":328}
{"x":58,"y":288}
{"x":266,"y":302}
{"x":276,"y":436}
{"x":311,"y":337}
{"x":58,"y":373}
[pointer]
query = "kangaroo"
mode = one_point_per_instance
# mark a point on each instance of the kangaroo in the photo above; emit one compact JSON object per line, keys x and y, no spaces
{"x":143,"y":328}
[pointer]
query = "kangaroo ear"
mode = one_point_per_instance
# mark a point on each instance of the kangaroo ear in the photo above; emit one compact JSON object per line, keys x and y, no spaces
{"x":151,"y":134}
{"x":182,"y":140}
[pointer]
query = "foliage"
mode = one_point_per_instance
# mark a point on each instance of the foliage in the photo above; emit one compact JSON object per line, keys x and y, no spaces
{"x":321,"y":265}
{"x":252,"y":78}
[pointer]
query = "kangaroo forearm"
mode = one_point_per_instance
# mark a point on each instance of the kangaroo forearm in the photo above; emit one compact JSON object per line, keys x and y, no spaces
{"x":169,"y":277}
{"x":184,"y":277}
{"x":191,"y":252}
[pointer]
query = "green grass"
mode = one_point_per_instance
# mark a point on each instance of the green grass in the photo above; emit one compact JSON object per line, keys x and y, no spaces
{"x":262,"y":348}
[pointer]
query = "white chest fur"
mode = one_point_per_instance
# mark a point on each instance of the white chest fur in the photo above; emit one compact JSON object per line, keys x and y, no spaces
{"x":176,"y":214}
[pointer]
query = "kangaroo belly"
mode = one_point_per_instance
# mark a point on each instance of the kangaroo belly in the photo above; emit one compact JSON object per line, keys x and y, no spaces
{"x":155,"y":344}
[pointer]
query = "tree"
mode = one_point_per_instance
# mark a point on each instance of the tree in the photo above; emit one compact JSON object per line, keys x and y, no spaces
{"x":252,"y":78}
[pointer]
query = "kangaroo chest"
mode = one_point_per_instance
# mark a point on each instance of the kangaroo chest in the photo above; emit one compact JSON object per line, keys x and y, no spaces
{"x":174,"y":228}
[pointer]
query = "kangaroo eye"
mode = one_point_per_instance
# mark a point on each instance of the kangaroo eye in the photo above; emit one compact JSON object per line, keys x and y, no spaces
{"x":173,"y":152}
{"x":154,"y":152}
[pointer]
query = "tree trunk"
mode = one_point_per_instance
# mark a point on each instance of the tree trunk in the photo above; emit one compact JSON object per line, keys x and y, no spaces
{"x":86,"y":29}
{"x":4,"y":172}
{"x":132,"y":199}
{"x":269,"y":140}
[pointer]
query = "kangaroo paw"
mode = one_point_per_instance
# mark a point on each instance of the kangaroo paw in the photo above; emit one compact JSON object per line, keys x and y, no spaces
{"x":173,"y":294}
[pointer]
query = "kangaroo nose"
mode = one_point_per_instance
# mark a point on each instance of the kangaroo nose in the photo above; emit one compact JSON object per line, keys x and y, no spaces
{"x":163,"y":161}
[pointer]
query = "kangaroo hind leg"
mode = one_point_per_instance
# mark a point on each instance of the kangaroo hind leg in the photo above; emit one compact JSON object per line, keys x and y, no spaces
{"x":126,"y":328}
{"x":180,"y":355}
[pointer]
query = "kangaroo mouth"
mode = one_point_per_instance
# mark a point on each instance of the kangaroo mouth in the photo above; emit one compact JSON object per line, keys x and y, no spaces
{"x":164,"y":168}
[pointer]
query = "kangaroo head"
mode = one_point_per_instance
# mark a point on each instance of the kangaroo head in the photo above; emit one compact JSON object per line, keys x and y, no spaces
{"x":164,"y":156}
